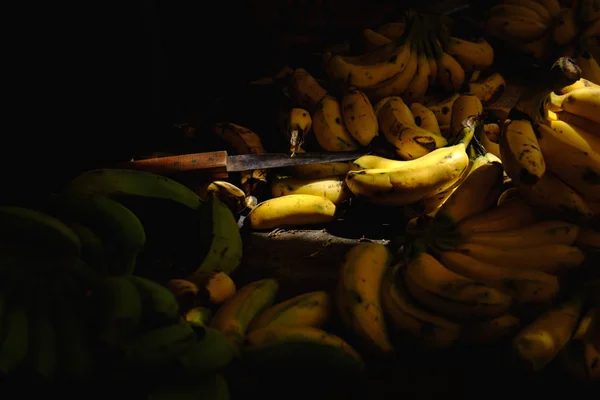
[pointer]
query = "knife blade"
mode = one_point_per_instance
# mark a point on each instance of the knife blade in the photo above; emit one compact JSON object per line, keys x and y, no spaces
{"x":219,"y":164}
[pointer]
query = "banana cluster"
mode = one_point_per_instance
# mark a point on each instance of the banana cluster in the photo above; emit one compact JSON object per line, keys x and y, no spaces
{"x":540,"y":27}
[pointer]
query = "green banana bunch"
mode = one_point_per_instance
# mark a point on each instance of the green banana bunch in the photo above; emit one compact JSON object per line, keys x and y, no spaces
{"x":212,"y":387}
{"x":211,"y":353}
{"x":159,"y":305}
{"x":14,"y":341}
{"x":93,"y":251}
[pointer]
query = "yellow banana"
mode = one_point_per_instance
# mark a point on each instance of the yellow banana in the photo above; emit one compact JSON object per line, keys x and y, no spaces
{"x":332,"y":188}
{"x":308,"y":309}
{"x":408,"y":318}
{"x":318,"y":171}
{"x":511,"y":215}
{"x":590,"y":69}
{"x":198,"y":317}
{"x":214,"y":287}
{"x":443,"y":109}
{"x":489,"y":131}
{"x":580,"y":358}
{"x":566,"y":28}
{"x":541,"y":341}
{"x":544,"y":232}
{"x":442,"y":290}
{"x":359,"y":294}
{"x":463,"y":107}
{"x":488,"y":89}
{"x":575,"y":121}
{"x":543,"y":13}
{"x":571,"y":157}
{"x":379,"y":105}
{"x":472,"y":55}
{"x":418,"y":85}
{"x":329,"y":128}
{"x":520,"y":152}
{"x":374,"y":39}
{"x":549,"y":258}
{"x":580,"y":83}
{"x":226,"y":192}
{"x":451,"y":74}
{"x":538,"y":48}
{"x":583,"y":102}
{"x":305,"y":90}
{"x":374,"y":162}
{"x":392,"y":30}
{"x":505,"y":9}
{"x":359,"y":116}
{"x":490,"y":330}
{"x":291,"y":210}
{"x":524,"y":286}
{"x":297,"y":124}
{"x":432,"y":60}
{"x":425,"y":118}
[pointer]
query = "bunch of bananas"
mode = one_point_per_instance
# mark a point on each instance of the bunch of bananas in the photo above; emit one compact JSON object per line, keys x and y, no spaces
{"x":540,"y":27}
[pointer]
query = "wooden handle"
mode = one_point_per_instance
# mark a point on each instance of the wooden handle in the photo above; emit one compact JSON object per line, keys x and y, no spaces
{"x":208,"y":165}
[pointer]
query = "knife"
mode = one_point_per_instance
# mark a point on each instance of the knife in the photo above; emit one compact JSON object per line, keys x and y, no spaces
{"x":218,"y":164}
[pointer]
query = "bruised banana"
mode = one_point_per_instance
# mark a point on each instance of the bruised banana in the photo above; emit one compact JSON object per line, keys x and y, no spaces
{"x":305,"y":90}
{"x":409,"y":319}
{"x":333,"y":188}
{"x":242,"y":140}
{"x":475,"y":55}
{"x":584,"y":102}
{"x":329,"y":127}
{"x":463,"y":107}
{"x":359,"y":116}
{"x":524,"y":286}
{"x":359,"y":294}
{"x":233,"y":318}
{"x":580,"y":358}
{"x":227,"y":192}
{"x":308,"y":309}
{"x":442,"y":290}
{"x":425,"y":118}
{"x":291,"y":210}
{"x":297,"y":124}
{"x":488,"y":89}
{"x":520,"y":152}
{"x":549,"y":258}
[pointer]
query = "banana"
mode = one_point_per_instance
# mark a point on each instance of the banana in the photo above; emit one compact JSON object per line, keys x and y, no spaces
{"x":463,"y":107}
{"x":566,"y":27}
{"x":297,"y":124}
{"x":476,"y":194}
{"x":589,"y":10}
{"x":93,"y":251}
{"x":517,"y":27}
{"x":111,"y":182}
{"x":305,"y":90}
{"x":242,"y":140}
{"x":491,"y":330}
{"x":592,"y":30}
{"x":233,"y":318}
{"x":210,"y":387}
{"x":392,"y":30}
{"x":553,"y":196}
{"x":590,"y":69}
{"x":374,"y":39}
{"x":185,"y":291}
{"x":588,"y":238}
{"x":539,"y":48}
{"x":507,"y":9}
{"x":541,"y":341}
{"x":443,"y":109}
{"x":524,"y":286}
{"x":508,"y":195}
{"x":550,"y":258}
{"x":490,"y":130}
{"x":43,"y":342}
{"x":280,"y":347}
{"x":156,"y":347}
{"x":318,"y":171}
{"x":442,"y":290}
{"x":552,"y":6}
{"x":374,"y":162}
{"x":159,"y":305}
{"x":570,"y":157}
{"x":475,"y":55}
{"x":36,"y":228}
{"x":451,"y":74}
{"x":359,"y":294}
{"x":198,"y":317}
{"x":308,"y":309}
{"x":409,"y":319}
{"x":582,"y":124}
{"x":410,"y":141}
{"x":425,"y":118}
{"x":580,"y":358}
{"x":543,"y":12}
{"x":329,"y":128}
{"x":114,"y":223}
{"x":333,"y":188}
{"x":14,"y":339}
{"x":432,"y":60}
{"x":418,"y":85}
{"x":488,"y":89}
{"x":511,"y":215}
{"x":520,"y":152}
{"x":290,"y":210}
{"x":228,"y":193}
{"x":225,"y":250}
{"x":120,"y":305}
{"x":209,"y":354}
{"x":214,"y":287}
{"x":583,"y":102}
{"x":578,"y":84}
{"x":359,"y":117}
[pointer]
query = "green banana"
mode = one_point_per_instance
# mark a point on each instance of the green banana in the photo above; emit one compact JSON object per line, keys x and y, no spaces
{"x":114,"y":222}
{"x":159,"y":305}
{"x":42,"y":335}
{"x":233,"y":318}
{"x":14,"y":339}
{"x":92,"y":246}
{"x":211,"y":353}
{"x":157,"y":347}
{"x":225,"y":251}
{"x":120,"y":302}
{"x":38,"y":229}
{"x":212,"y":387}
{"x":118,"y":182}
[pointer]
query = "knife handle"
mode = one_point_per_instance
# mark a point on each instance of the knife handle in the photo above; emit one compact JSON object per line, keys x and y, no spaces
{"x":208,"y":165}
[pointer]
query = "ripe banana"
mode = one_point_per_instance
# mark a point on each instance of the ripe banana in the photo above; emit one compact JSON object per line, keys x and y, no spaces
{"x":475,"y":55}
{"x":329,"y":128}
{"x":185,"y":292}
{"x":552,"y":6}
{"x":290,"y":210}
{"x":451,"y":74}
{"x":374,"y":40}
{"x":297,"y":124}
{"x":464,"y":106}
{"x":518,"y":27}
{"x":489,"y":88}
{"x":579,"y":84}
{"x":159,"y":305}
{"x":541,"y":341}
{"x":299,"y":347}
{"x":209,"y":354}
{"x":374,"y":162}
{"x":233,"y":318}
{"x":491,"y":330}
{"x":198,"y":317}
{"x":122,"y":182}
{"x":305,"y":90}
{"x":408,"y":318}
{"x":214,"y":287}
{"x":580,"y":358}
{"x":392,"y":30}
{"x":578,"y":123}
{"x":440,"y":289}
{"x":544,"y":232}
{"x":566,"y":28}
{"x":511,"y":215}
{"x":418,"y":85}
{"x":425,"y":118}
{"x":520,"y":152}
{"x":333,"y":188}
{"x":544,"y":13}
{"x":507,"y":9}
{"x":490,"y":130}
{"x":225,"y":250}
{"x":242,"y":140}
{"x":308,"y":309}
{"x":359,"y":116}
{"x":359,"y":294}
{"x":524,"y":286}
{"x":228,"y":193}
{"x":550,"y":258}
{"x":443,"y":109}
{"x":584,"y":102}
{"x":590,"y":69}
